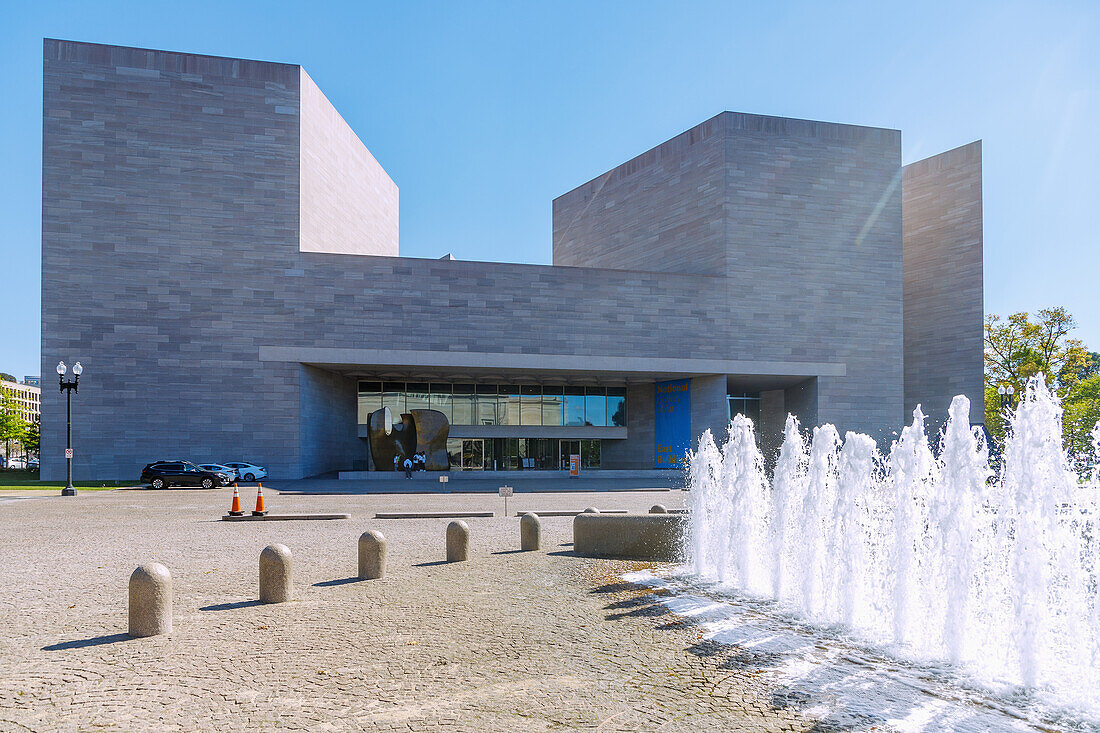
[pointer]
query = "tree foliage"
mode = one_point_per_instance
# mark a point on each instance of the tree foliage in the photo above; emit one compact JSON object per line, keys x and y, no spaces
{"x":1022,"y":346}
{"x":13,"y":428}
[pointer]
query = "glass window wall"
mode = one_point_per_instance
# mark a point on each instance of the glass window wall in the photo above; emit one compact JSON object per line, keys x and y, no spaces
{"x":492,"y":404}
{"x":416,"y":396}
{"x":574,"y":405}
{"x":370,"y":399}
{"x":393,"y":397}
{"x":530,"y":412}
{"x":595,"y":406}
{"x":616,"y":407}
{"x":590,"y":454}
{"x":510,"y":399}
{"x":487,"y":405}
{"x":440,"y":399}
{"x":552,"y":403}
{"x":464,"y":404}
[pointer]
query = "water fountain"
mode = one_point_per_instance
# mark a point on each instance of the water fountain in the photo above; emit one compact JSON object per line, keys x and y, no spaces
{"x":925,"y":555}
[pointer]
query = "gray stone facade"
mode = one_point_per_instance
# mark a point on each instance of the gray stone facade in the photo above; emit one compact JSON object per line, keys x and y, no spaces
{"x":801,"y":222}
{"x":174,"y":268}
{"x":944,"y":307}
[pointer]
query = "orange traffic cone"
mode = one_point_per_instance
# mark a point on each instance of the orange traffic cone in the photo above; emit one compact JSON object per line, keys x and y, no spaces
{"x":260,"y":511}
{"x":235,"y":507}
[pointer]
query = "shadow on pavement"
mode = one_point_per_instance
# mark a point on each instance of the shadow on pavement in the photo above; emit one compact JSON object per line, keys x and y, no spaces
{"x":431,"y":564}
{"x":230,"y":606}
{"x":338,"y":581}
{"x":80,"y":643}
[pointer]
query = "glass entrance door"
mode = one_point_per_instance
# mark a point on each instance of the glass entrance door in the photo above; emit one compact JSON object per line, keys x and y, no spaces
{"x":568,"y":448}
{"x":473,"y":455}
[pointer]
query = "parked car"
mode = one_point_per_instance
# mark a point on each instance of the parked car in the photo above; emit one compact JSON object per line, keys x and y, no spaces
{"x":219,"y":468}
{"x":17,"y":463}
{"x":162,"y":474}
{"x":32,"y":464}
{"x":247,"y":471}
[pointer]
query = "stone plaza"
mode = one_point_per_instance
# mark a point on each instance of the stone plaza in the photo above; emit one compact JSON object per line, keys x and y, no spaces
{"x":508,"y":640}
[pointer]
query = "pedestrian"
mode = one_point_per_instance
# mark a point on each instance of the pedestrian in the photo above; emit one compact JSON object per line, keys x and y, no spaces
{"x":422,"y":461}
{"x":408,"y":468}
{"x":396,"y":462}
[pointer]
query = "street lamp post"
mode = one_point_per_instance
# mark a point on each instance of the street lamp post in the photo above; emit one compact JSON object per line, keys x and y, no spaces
{"x":1006,"y":396}
{"x":68,"y":387}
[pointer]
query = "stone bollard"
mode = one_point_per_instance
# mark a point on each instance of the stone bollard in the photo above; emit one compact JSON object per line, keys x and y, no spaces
{"x":458,"y":541}
{"x":275,"y":583}
{"x":658,"y":509}
{"x":372,"y":555}
{"x":150,"y":600}
{"x":591,"y":510}
{"x":530,"y":532}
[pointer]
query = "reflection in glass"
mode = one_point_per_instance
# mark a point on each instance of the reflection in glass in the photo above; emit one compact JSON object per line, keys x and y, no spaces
{"x":393,"y":397}
{"x":552,"y":403}
{"x":531,"y":405}
{"x":616,"y":407}
{"x":590,"y":454}
{"x":574,"y":405}
{"x":463,"y":404}
{"x":416,"y":396}
{"x":454,"y":452}
{"x":370,"y":399}
{"x":595,"y":406}
{"x":509,"y":396}
{"x":440,"y":399}
{"x":487,"y":404}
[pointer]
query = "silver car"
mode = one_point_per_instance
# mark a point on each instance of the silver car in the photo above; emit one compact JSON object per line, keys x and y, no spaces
{"x":219,"y":468}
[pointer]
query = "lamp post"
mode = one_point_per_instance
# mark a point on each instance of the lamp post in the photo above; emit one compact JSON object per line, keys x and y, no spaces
{"x":68,"y":387}
{"x":1006,"y":395}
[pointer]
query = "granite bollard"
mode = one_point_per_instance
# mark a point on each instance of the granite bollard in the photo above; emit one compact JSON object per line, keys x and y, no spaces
{"x":591,"y":510}
{"x":458,"y":541}
{"x":530,"y":532}
{"x":150,"y":600}
{"x":275,"y":582}
{"x":372,"y":555}
{"x":658,"y":509}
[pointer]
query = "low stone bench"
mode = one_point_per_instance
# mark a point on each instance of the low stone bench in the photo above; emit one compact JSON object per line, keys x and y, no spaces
{"x":629,"y":537}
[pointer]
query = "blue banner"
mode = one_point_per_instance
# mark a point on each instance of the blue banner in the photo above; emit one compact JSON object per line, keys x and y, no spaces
{"x":671,"y":422}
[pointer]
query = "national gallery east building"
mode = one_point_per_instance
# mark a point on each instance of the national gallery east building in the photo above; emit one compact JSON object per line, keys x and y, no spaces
{"x":220,"y":252}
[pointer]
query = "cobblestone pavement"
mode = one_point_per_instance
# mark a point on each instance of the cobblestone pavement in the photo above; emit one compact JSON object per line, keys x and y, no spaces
{"x":509,"y":641}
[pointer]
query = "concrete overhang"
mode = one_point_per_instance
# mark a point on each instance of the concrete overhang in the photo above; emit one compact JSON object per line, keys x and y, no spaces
{"x":450,"y":365}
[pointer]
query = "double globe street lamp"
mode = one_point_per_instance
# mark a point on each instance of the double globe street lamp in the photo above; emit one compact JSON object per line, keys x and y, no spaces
{"x":1006,"y":396}
{"x":68,"y":387}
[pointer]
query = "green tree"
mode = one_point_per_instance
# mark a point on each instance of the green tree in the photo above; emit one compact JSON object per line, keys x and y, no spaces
{"x":32,"y":439}
{"x":7,"y":377}
{"x":1022,"y":346}
{"x":13,"y":428}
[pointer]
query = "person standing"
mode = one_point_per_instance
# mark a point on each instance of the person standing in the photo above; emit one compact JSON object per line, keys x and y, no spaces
{"x":396,"y":462}
{"x":408,"y":468}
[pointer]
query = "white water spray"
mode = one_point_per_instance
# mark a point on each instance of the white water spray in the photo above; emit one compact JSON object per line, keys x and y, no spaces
{"x":927,"y":556}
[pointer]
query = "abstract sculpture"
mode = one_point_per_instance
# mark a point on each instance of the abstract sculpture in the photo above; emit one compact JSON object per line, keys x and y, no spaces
{"x":420,"y":431}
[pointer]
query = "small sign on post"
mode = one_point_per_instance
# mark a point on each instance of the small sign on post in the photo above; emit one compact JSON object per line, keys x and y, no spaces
{"x":505,"y":491}
{"x":68,"y":452}
{"x":574,"y":466}
{"x":443,"y":480}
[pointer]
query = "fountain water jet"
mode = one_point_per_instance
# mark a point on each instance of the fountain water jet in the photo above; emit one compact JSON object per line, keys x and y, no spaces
{"x":931,"y":557}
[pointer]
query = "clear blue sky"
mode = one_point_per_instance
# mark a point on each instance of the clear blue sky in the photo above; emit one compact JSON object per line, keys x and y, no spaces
{"x":484,"y":112}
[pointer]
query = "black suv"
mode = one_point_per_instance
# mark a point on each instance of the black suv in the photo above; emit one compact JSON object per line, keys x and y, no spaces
{"x":181,"y":473}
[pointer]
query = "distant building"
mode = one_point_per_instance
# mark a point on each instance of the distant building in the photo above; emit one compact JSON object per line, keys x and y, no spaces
{"x":220,"y":251}
{"x":33,"y":381}
{"x":28,"y":397}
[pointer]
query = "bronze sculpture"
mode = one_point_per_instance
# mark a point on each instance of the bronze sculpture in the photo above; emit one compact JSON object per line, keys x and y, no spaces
{"x":420,"y":431}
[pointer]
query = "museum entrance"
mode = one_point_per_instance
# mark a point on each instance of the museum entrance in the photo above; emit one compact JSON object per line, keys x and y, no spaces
{"x":568,"y":448}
